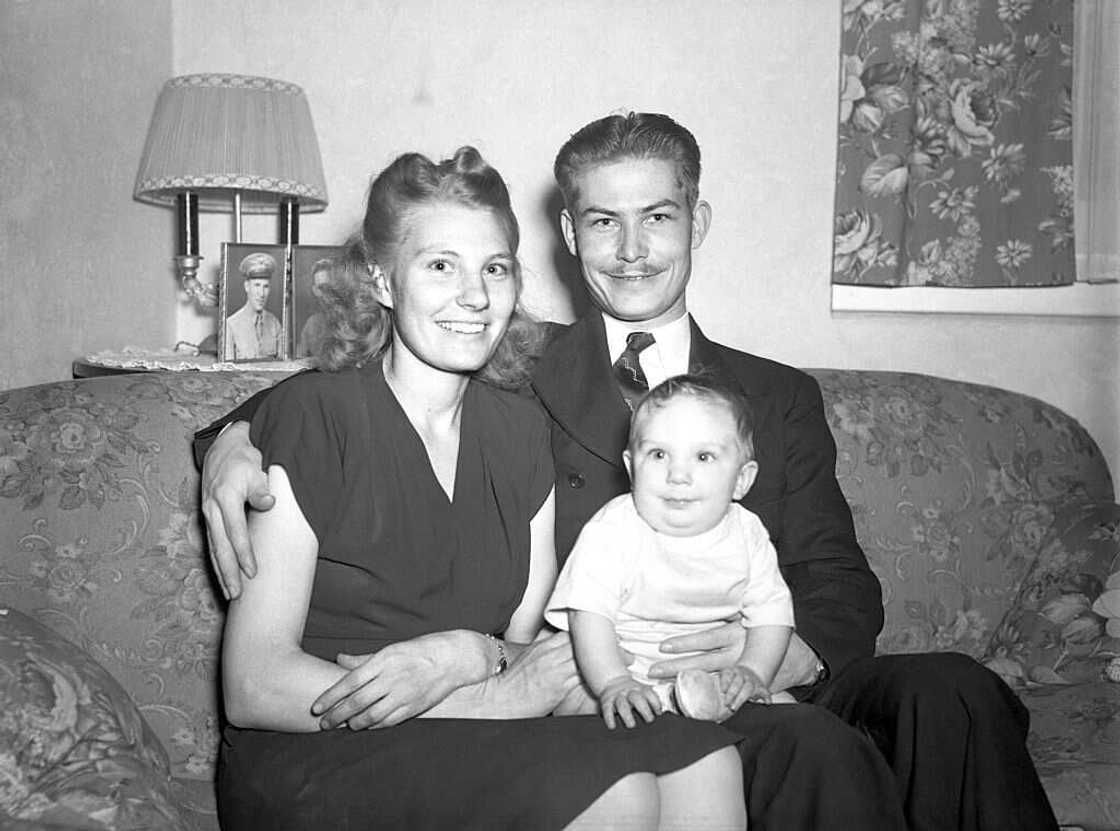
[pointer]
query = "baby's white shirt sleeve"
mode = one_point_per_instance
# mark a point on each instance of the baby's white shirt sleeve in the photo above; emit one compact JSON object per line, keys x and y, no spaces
{"x":766,"y":598}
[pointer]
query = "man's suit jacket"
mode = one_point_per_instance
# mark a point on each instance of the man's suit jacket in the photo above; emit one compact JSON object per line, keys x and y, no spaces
{"x":837,"y":600}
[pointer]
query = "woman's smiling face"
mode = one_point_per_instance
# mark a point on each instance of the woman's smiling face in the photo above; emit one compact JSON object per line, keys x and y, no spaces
{"x":452,"y":286}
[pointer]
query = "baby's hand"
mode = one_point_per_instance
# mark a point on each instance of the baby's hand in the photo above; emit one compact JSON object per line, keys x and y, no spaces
{"x":739,"y":685}
{"x":623,"y":695}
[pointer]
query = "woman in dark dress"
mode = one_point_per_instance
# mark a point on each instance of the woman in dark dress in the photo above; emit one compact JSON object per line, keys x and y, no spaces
{"x":408,"y":559}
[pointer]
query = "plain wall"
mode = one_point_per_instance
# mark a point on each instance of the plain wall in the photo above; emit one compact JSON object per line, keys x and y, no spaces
{"x":84,"y":268}
{"x":755,"y":80}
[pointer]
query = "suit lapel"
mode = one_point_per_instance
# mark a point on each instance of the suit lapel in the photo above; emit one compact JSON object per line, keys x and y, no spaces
{"x":573,"y":381}
{"x":705,"y":356}
{"x":702,"y":355}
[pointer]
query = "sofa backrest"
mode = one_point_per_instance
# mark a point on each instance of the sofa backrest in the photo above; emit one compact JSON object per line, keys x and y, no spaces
{"x":952,"y":486}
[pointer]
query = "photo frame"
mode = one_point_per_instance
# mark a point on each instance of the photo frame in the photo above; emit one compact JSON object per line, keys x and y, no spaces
{"x":254,"y":321}
{"x":309,"y":264}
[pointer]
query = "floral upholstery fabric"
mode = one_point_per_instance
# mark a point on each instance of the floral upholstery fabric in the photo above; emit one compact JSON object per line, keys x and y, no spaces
{"x":1059,"y":646}
{"x":1075,"y":744}
{"x":954,"y":488}
{"x":101,"y":539}
{"x":1064,"y":626}
{"x":989,"y":519}
{"x":964,"y":498}
{"x":76,"y":751}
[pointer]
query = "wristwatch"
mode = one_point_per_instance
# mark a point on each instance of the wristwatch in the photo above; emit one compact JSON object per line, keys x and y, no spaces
{"x":821,"y":673}
{"x":503,"y":661}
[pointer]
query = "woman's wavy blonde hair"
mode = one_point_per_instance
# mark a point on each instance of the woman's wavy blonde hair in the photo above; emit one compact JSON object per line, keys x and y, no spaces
{"x":359,"y":327}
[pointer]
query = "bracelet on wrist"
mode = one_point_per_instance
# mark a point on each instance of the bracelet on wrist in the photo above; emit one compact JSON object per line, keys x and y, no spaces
{"x":502,"y":662}
{"x":821,"y":672}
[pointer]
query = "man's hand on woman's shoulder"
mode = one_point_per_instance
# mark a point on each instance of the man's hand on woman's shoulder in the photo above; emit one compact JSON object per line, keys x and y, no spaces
{"x":231,"y":479}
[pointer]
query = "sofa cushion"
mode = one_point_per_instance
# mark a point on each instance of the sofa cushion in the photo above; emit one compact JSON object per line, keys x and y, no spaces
{"x":1058,"y":645}
{"x":198,"y":801}
{"x":1075,"y":732}
{"x":74,"y":750}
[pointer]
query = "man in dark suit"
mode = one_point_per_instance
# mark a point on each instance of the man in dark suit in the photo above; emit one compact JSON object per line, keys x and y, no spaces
{"x":938,"y":741}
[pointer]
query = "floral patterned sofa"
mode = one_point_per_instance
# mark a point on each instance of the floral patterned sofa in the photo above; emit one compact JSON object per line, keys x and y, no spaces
{"x":988,"y":516}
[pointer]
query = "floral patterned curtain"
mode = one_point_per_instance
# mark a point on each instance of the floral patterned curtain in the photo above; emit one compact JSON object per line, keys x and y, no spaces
{"x":955,"y":153}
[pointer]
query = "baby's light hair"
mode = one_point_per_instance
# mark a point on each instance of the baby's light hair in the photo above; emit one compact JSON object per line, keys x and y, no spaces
{"x":703,"y":387}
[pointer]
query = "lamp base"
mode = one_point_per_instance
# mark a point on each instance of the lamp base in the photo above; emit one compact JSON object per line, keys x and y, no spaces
{"x":205,"y":294}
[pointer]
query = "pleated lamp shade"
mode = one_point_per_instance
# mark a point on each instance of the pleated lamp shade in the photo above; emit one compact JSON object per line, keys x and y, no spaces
{"x":218,"y":135}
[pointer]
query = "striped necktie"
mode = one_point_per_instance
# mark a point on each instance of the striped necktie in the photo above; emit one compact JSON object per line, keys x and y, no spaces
{"x":628,"y":371}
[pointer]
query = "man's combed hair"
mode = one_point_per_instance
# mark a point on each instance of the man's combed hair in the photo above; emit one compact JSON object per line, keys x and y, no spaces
{"x":358,"y":326}
{"x":709,"y":389}
{"x":630,"y":136}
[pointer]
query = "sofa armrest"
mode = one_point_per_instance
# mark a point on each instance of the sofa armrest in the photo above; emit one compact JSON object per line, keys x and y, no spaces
{"x":1064,"y":624}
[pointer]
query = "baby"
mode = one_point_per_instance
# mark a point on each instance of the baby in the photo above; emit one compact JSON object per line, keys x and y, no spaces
{"x":676,"y":556}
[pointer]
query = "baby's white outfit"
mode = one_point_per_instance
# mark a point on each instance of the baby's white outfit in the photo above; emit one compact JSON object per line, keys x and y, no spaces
{"x":653,"y":586}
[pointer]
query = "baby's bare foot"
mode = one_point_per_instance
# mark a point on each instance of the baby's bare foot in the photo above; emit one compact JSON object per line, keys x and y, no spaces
{"x":698,"y":696}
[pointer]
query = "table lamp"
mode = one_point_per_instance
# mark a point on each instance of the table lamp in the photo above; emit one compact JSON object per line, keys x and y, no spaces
{"x":230,"y":143}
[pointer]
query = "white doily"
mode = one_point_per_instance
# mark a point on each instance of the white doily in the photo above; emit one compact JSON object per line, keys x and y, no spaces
{"x":132,"y":357}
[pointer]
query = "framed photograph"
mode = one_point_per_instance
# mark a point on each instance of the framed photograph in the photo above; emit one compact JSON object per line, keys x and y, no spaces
{"x":311,"y":266}
{"x":253,"y":310}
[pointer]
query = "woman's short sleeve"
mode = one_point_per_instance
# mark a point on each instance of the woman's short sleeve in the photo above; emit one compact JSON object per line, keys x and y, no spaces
{"x":518,"y":446}
{"x":295,"y":428}
{"x":542,"y":472}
